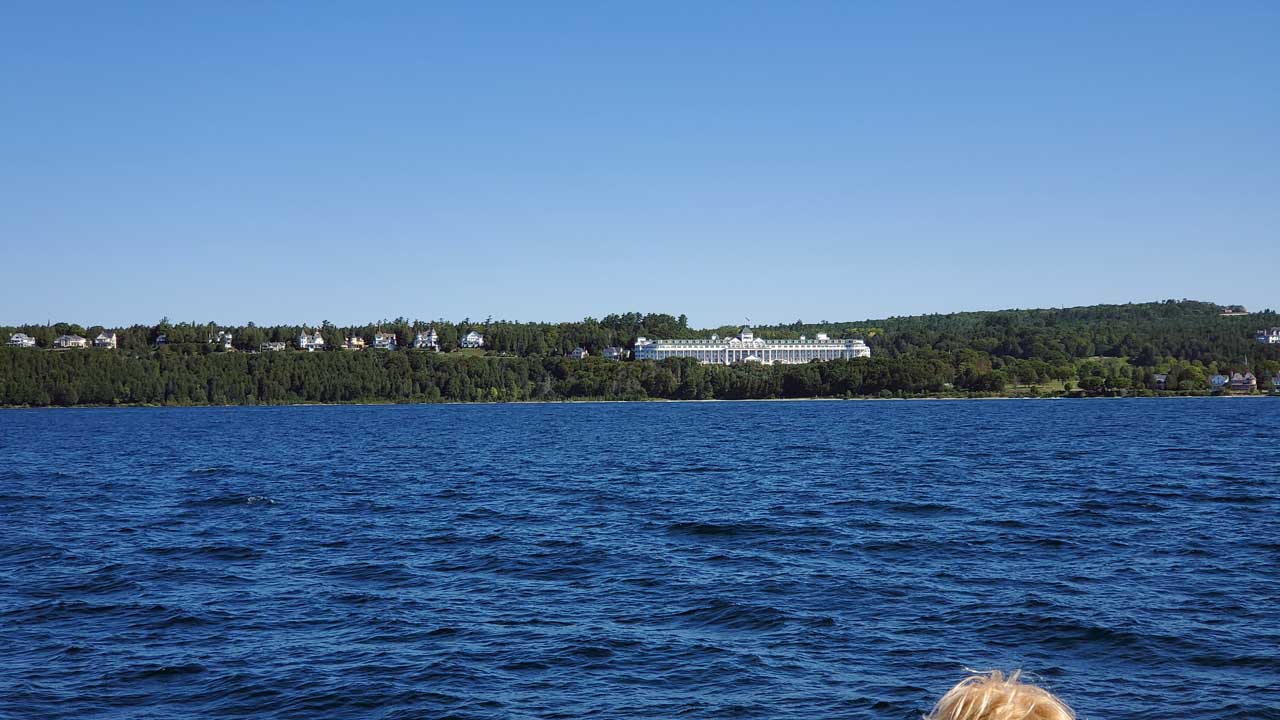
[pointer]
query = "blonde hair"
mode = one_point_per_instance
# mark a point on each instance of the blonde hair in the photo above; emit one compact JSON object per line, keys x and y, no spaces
{"x":992,"y":696}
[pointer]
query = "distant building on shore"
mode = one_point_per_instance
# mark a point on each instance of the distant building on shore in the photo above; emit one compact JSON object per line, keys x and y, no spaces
{"x":106,"y":340}
{"x":21,"y":340}
{"x":224,"y":339}
{"x":384,"y":341}
{"x":1217,"y":382}
{"x":355,"y":342}
{"x":745,"y":347}
{"x":70,"y":341}
{"x":1161,"y":381}
{"x":310,"y":341}
{"x":578,"y":353}
{"x":272,"y":346}
{"x":427,"y":340}
{"x":1268,"y":337}
{"x":612,"y":353}
{"x":472,"y":339}
{"x":1243,"y":383}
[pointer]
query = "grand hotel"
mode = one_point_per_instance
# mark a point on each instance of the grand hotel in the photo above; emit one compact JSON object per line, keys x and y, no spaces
{"x":746,"y":347}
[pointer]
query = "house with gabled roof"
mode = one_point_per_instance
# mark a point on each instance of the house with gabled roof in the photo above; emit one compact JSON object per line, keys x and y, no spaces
{"x":105,"y":340}
{"x":310,"y":341}
{"x":21,"y":340}
{"x":384,"y":341}
{"x":1243,"y":383}
{"x":70,"y":341}
{"x":472,"y":339}
{"x":427,"y":340}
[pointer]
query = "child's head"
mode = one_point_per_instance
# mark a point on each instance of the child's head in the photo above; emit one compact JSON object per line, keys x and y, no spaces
{"x":993,"y":696}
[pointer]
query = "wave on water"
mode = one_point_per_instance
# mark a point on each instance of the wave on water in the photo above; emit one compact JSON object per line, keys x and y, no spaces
{"x":229,"y":500}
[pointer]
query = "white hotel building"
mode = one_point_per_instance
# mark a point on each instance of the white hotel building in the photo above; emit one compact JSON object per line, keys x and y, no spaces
{"x":746,"y":347}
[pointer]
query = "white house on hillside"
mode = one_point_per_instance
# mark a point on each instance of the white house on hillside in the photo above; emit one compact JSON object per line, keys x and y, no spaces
{"x":427,"y":340}
{"x":310,"y":341}
{"x":21,"y":340}
{"x":578,"y":353}
{"x":272,"y":346}
{"x":1268,"y":337}
{"x":223,"y":338}
{"x":70,"y":341}
{"x":611,"y":353}
{"x":105,"y":340}
{"x":384,"y":341}
{"x":472,"y":339}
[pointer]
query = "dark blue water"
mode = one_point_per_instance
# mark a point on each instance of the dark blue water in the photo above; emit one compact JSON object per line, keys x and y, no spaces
{"x":718,"y":560}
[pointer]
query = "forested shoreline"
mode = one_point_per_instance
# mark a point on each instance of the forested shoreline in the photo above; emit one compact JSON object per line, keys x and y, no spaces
{"x":1095,"y":350}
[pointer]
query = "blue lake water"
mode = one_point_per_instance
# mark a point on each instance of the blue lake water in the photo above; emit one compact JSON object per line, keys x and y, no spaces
{"x":704,"y":560}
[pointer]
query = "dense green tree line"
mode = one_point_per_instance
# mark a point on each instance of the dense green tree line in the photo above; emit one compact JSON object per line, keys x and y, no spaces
{"x":1098,"y":349}
{"x":106,"y":377}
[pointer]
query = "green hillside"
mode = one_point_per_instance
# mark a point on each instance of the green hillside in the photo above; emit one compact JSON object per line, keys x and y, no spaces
{"x":1099,"y":349}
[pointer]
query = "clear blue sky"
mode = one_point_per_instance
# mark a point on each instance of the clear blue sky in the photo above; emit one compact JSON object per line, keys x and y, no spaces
{"x":294,"y":162}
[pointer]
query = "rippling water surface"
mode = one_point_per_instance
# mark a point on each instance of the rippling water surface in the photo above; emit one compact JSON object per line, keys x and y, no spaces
{"x":708,"y":560}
